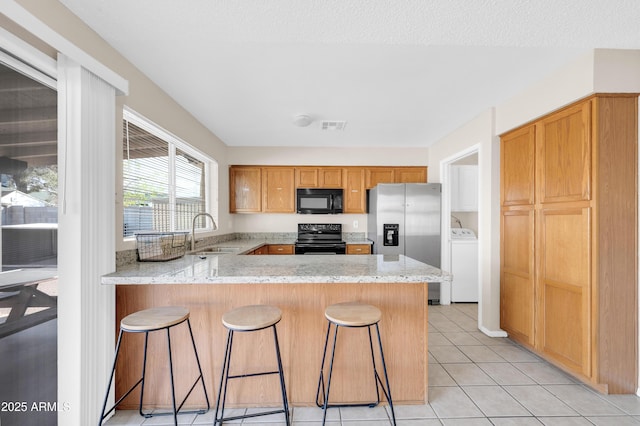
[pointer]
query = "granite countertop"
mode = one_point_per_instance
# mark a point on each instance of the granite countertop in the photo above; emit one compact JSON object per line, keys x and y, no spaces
{"x":235,"y":268}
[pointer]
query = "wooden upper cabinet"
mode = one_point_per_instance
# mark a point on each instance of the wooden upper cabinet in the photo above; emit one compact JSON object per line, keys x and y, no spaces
{"x":410,"y":175}
{"x":307,"y":177}
{"x":517,"y":174}
{"x":245,"y":189}
{"x":354,"y":192}
{"x":564,"y":152}
{"x":319,"y":177}
{"x":330,"y":177}
{"x":278,"y":192}
{"x":376,"y":175}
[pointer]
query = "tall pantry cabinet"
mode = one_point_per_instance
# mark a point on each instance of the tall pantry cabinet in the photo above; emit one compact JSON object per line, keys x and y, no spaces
{"x":568,"y":286}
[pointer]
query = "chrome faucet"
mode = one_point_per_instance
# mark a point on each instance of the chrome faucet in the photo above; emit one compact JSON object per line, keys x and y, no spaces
{"x":193,"y":228}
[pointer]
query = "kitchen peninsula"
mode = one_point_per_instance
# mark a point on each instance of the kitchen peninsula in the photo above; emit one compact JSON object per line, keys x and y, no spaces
{"x":302,"y":286}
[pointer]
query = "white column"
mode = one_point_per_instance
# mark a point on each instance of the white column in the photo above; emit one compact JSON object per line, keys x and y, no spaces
{"x":86,"y":251}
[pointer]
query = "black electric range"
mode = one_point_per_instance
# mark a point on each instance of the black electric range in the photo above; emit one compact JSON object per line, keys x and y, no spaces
{"x":320,"y":238}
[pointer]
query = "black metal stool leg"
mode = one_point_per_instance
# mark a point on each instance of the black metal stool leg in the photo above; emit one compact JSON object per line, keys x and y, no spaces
{"x":173,"y":388}
{"x":283,"y":388}
{"x":321,"y":379}
{"x":376,"y":376}
{"x":204,"y":387}
{"x":224,"y":379}
{"x":386,"y":378}
{"x":144,"y":370}
{"x":113,"y":370}
{"x":326,"y":396}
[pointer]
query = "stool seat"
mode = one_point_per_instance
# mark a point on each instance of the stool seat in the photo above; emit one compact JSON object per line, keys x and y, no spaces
{"x":252,"y":317}
{"x":353,"y":314}
{"x":154,"y":318}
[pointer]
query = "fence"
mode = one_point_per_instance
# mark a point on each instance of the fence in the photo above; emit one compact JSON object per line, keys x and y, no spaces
{"x":158,"y":217}
{"x":20,"y":215}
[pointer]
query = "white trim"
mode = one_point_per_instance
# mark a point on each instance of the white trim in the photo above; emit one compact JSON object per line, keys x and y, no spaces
{"x":493,"y":333}
{"x":445,"y":178}
{"x":27,"y":70}
{"x":28,"y":54}
{"x":25,"y":19}
{"x":159,"y":131}
{"x":86,"y":245}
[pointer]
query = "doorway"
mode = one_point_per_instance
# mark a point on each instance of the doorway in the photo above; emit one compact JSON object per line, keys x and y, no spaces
{"x":460,"y":225}
{"x":29,"y":244}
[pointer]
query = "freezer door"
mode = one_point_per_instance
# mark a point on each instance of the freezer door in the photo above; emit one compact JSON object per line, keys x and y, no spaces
{"x":388,"y":204}
{"x":422,"y":222}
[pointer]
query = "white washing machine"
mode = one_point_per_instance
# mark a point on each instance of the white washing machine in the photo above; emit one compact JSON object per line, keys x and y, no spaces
{"x":464,"y":265}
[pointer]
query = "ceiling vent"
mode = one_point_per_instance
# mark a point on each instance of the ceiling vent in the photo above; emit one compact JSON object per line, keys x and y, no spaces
{"x":333,"y":125}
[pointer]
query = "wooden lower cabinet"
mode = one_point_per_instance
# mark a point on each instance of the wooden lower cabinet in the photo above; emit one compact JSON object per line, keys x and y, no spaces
{"x":262,"y":250}
{"x":517,"y":294}
{"x":281,"y":249}
{"x":564,"y":284}
{"x":358,"y":249}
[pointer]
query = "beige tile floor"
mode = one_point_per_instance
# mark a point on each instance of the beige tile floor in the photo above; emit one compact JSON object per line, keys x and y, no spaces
{"x":473,"y":380}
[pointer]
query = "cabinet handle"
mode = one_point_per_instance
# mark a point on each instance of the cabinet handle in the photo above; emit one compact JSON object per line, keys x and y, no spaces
{"x":279,"y":188}
{"x":354,"y":190}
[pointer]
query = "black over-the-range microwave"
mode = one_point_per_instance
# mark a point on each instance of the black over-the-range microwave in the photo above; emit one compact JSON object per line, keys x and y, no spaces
{"x":319,"y":201}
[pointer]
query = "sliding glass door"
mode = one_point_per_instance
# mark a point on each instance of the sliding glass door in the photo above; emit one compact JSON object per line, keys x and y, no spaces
{"x":28,"y":247}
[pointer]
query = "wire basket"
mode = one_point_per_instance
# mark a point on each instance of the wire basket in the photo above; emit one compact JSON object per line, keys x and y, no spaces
{"x":161,"y":246}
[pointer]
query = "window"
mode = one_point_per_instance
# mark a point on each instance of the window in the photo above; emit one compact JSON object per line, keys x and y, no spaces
{"x":165,"y":181}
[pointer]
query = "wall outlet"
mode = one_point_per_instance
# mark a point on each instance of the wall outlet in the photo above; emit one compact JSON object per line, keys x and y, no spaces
{"x":355,"y":224}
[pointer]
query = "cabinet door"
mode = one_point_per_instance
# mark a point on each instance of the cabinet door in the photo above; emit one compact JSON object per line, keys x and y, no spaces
{"x":378,"y":175}
{"x":245,"y":189}
{"x":517,"y":274}
{"x":464,"y":185}
{"x":330,"y":177}
{"x":354,"y":193}
{"x":307,"y":177}
{"x":278,"y":190}
{"x":564,"y":153}
{"x":410,"y":175}
{"x":517,"y":174}
{"x":261,"y":250}
{"x":564,"y":287}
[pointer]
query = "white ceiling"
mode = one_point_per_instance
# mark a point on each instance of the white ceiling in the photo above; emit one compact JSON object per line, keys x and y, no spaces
{"x":400,"y":72}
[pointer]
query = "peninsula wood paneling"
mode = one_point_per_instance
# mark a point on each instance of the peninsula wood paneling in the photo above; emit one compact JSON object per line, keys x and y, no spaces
{"x":301,"y":333}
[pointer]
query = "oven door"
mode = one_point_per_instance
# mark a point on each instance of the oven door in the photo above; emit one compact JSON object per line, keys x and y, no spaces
{"x":321,"y":248}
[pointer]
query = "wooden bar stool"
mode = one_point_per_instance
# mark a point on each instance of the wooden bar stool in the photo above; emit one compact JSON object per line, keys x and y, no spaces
{"x":355,"y":315}
{"x":146,"y":321}
{"x":244,"y":319}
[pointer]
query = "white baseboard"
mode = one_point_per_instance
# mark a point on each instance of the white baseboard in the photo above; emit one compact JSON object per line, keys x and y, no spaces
{"x":493,"y":333}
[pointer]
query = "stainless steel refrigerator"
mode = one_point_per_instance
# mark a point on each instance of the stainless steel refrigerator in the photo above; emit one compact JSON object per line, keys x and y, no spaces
{"x":404,"y":218}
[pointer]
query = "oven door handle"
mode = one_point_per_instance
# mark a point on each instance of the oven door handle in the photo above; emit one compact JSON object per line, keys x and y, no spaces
{"x":328,"y":246}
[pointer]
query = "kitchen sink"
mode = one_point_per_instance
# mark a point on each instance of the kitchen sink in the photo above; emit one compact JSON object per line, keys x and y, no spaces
{"x":217,"y":250}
